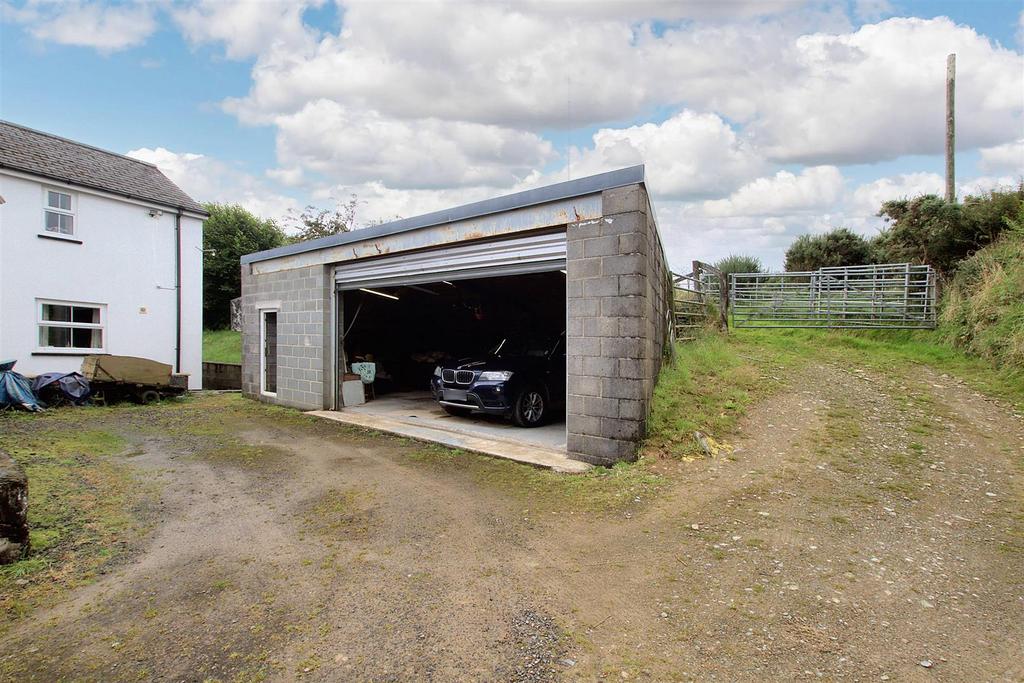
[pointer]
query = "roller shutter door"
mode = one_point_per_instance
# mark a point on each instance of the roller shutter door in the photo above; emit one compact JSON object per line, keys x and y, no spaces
{"x":513,"y":256}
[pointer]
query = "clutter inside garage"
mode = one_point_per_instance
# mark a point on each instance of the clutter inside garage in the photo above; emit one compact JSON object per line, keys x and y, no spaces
{"x":406,"y":331}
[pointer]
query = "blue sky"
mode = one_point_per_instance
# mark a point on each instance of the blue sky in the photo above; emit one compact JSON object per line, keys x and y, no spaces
{"x":758,"y":120}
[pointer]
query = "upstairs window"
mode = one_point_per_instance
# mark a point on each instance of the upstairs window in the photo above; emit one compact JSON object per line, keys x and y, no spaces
{"x":67,"y":326}
{"x":59,"y":213}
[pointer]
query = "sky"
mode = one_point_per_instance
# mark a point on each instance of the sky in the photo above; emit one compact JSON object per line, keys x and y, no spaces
{"x":757,"y":120}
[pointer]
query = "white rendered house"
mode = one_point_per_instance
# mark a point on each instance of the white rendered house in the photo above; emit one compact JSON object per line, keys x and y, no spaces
{"x":99,"y":253}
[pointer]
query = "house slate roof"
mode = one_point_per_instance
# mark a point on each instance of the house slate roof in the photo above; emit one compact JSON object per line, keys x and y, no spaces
{"x":56,"y":158}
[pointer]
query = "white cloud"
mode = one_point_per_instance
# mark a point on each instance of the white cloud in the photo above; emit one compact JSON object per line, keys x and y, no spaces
{"x":797,"y":87}
{"x":1008,"y":158}
{"x":689,"y":155}
{"x":878,"y":93}
{"x":984,"y":184}
{"x":667,"y":10}
{"x":81,"y":23}
{"x":291,"y":177}
{"x":688,"y":234}
{"x":814,"y":189}
{"x":867,"y":199}
{"x":380,"y":203}
{"x":487,"y":63}
{"x":357,"y":145}
{"x":246,"y":27}
{"x":206,"y":179}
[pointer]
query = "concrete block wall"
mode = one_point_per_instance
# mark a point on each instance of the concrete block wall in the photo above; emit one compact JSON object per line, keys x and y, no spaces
{"x":618,"y":293}
{"x":302,"y":297}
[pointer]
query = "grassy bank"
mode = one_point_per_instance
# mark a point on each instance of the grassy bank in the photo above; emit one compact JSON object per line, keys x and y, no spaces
{"x":222,"y":346}
{"x":983,"y":308}
{"x":714,"y":379}
{"x":708,"y":388}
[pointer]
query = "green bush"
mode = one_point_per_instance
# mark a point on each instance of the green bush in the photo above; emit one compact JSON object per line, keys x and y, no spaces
{"x":928,"y":229}
{"x":740,"y":263}
{"x":839,"y":247}
{"x":228,"y":234}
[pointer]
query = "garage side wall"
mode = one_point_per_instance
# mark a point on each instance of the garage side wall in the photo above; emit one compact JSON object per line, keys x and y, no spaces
{"x":301,"y":297}
{"x":618,"y":292}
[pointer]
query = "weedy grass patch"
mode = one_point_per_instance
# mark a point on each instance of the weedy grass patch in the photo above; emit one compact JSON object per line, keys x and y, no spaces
{"x":707,"y":388}
{"x":599,"y":490}
{"x":87,"y":507}
{"x":83,"y":508}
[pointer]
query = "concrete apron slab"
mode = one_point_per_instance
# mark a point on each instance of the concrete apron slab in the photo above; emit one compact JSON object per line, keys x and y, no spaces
{"x":530,"y":454}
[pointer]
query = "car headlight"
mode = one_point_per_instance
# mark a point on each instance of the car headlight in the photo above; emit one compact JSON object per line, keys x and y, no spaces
{"x":495,"y":375}
{"x":437,"y":371}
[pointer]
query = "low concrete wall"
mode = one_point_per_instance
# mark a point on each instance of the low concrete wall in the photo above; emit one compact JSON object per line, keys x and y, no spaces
{"x":222,"y":375}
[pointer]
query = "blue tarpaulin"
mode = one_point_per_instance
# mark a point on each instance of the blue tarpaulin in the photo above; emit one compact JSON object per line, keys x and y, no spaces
{"x":16,"y":392}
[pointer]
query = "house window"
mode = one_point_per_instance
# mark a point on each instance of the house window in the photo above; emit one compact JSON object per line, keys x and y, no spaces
{"x":69,"y":326}
{"x":59,"y":213}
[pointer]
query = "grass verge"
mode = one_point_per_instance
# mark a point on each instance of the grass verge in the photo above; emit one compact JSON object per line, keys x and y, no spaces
{"x":708,"y":388}
{"x":82,"y":511}
{"x":891,"y":350}
{"x":715,"y":378}
{"x":600,"y":490}
{"x":222,"y":346}
{"x":86,"y":506}
{"x":983,"y":309}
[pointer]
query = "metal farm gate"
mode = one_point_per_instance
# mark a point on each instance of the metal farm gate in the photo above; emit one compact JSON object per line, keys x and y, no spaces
{"x":695,"y":295}
{"x":889,"y":296}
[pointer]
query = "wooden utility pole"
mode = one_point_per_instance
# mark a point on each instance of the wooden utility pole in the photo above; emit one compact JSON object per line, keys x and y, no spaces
{"x":950,"y":127}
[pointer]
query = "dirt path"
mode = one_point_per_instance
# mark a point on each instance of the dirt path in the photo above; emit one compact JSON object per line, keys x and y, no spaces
{"x":865,"y":528}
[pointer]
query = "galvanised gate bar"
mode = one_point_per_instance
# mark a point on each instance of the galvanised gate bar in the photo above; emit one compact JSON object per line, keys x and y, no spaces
{"x":882,"y":296}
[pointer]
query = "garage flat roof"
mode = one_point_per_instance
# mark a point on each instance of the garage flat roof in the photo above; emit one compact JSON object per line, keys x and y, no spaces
{"x":541,"y":195}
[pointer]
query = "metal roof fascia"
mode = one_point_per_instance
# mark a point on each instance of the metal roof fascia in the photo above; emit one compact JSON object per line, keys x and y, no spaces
{"x":541,"y":195}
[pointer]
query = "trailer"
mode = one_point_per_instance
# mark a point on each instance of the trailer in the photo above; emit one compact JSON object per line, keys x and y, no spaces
{"x":113,"y":378}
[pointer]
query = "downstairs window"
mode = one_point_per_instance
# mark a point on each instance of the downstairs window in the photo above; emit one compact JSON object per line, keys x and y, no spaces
{"x":70,"y":326}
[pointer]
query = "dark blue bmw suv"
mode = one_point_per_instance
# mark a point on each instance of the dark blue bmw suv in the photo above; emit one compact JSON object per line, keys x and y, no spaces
{"x":521,"y":379}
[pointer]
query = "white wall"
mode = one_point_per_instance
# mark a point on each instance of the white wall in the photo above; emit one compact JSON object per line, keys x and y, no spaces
{"x":125,"y":260}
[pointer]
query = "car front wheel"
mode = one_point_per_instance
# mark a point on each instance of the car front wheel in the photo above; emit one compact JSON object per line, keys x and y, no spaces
{"x":530,"y":408}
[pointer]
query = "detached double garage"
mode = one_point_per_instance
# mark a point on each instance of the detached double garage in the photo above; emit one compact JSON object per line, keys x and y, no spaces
{"x":574,"y":270}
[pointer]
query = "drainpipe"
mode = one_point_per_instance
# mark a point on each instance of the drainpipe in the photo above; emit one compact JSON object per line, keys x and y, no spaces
{"x":177,"y":291}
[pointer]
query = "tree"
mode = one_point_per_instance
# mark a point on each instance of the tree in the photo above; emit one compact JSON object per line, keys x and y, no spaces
{"x":928,"y":229}
{"x":228,"y":234}
{"x":740,"y":263}
{"x":313,"y":223}
{"x":839,"y":247}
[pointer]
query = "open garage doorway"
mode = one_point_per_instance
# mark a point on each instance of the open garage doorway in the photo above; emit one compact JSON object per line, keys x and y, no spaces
{"x":435,"y":354}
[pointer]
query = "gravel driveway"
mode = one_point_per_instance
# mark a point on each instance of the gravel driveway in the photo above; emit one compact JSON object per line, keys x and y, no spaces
{"x":866,"y":528}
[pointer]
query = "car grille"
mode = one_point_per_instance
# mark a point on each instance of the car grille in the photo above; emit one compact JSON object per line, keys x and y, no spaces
{"x":458,"y":376}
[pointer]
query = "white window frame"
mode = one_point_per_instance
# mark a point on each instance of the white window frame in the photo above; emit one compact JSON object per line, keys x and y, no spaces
{"x":72,"y":212}
{"x":263,"y":356}
{"x":71,"y":350}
